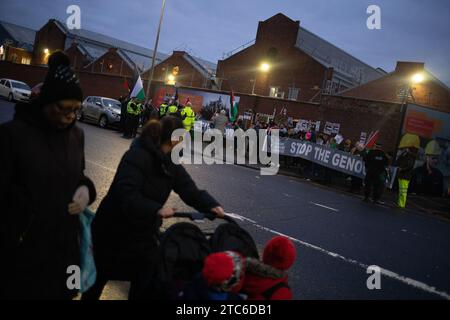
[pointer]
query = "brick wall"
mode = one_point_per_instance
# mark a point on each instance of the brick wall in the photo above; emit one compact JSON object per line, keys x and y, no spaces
{"x":92,"y":84}
{"x":17,"y":54}
{"x":111,"y":63}
{"x":388,"y":88}
{"x":358,"y":115}
{"x":290,"y":67}
{"x":76,"y":57}
{"x":48,"y":37}
{"x":187,"y":74}
{"x":354,"y":115}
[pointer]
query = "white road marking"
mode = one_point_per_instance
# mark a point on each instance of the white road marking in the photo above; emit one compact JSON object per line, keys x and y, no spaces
{"x":99,"y":165}
{"x":408,"y":281}
{"x":321,"y":205}
{"x":388,"y":273}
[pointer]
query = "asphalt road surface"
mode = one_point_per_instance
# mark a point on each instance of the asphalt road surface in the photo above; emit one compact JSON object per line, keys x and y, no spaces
{"x":337,"y":236}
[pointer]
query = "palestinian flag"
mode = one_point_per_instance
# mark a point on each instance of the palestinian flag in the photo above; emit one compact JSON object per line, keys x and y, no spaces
{"x":138,"y":90}
{"x":233,"y":114}
{"x":373,"y":137}
{"x":126,"y":85}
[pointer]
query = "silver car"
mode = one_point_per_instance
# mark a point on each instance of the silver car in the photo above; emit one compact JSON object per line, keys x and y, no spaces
{"x":101,"y":110}
{"x":14,"y":90}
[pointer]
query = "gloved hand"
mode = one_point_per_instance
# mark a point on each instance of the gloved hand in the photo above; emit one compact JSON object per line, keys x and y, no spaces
{"x":218,"y":211}
{"x":80,"y":200}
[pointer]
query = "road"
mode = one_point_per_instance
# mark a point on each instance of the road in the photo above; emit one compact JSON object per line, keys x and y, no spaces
{"x":337,"y":236}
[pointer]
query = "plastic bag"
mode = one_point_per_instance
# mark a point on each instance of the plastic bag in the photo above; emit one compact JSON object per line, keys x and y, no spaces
{"x":87,"y":264}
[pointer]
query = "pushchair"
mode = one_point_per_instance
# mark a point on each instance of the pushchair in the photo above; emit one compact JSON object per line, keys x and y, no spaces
{"x":184,"y":246}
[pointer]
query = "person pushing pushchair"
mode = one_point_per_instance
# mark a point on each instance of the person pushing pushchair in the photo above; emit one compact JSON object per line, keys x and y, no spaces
{"x":125,"y":230}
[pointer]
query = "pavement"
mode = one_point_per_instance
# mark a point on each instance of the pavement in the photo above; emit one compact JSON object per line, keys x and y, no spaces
{"x":337,"y":236}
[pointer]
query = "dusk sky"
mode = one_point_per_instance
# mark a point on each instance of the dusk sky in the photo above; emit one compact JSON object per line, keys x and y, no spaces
{"x":412,"y":30}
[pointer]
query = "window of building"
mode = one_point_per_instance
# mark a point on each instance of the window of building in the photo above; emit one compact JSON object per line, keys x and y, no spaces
{"x":293,"y":93}
{"x":276,"y":93}
{"x":26,"y":60}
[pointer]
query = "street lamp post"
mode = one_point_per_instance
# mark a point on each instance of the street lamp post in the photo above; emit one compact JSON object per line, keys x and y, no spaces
{"x":150,"y":79}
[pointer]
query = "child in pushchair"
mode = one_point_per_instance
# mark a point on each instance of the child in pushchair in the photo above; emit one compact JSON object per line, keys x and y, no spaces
{"x":221,"y":263}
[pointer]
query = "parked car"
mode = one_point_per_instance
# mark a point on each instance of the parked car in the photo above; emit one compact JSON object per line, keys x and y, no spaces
{"x":104,"y":111}
{"x":14,"y":90}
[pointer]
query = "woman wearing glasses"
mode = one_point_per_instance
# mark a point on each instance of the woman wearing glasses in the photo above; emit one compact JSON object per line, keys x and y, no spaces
{"x":43,"y":189}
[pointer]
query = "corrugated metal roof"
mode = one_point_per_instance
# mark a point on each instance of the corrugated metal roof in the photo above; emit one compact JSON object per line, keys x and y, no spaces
{"x":127,"y":59}
{"x":209,"y":66}
{"x":95,"y":51}
{"x":112,"y":42}
{"x":98,"y":44}
{"x":198,"y":65}
{"x":329,"y":55}
{"x":24,"y":36}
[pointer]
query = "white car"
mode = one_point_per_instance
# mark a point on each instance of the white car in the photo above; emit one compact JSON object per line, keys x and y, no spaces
{"x":14,"y":90}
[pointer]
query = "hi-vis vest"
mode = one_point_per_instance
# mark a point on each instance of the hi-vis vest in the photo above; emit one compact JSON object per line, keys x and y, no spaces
{"x":163,"y":109}
{"x":188,"y":116}
{"x":172,"y":109}
{"x":134,"y":110}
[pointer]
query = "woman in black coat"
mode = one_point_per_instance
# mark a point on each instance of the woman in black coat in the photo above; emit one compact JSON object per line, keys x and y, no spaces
{"x":42,"y":189}
{"x":127,"y":221}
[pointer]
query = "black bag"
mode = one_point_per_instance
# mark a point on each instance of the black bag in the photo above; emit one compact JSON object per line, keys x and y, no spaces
{"x":231,"y":237}
{"x":183,"y":248}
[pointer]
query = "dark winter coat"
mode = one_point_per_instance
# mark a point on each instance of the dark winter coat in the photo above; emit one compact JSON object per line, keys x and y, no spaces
{"x":40,"y":170}
{"x":405,"y":163}
{"x":126,"y":223}
{"x":376,"y":163}
{"x":264,"y":282}
{"x":425,"y":183}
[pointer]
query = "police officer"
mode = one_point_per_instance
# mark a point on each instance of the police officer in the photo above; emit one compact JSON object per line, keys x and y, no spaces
{"x":137,"y":117}
{"x":163,"y":108}
{"x":376,"y":163}
{"x":173,"y":110}
{"x":132,"y":120}
{"x":188,"y":117}
{"x":123,"y":114}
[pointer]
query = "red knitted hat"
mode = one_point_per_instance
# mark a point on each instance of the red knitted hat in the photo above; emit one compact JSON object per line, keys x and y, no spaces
{"x":224,"y":271}
{"x":279,"y":253}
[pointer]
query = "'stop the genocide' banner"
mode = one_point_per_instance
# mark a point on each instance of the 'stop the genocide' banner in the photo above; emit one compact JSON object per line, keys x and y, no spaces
{"x":325,"y":156}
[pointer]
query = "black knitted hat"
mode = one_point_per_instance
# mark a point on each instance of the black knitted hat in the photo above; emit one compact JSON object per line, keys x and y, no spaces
{"x":61,"y":83}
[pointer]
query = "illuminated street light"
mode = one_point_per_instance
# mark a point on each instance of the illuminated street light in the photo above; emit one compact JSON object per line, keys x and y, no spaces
{"x":171,"y":79}
{"x":265,"y":67}
{"x":417,"y":78}
{"x":46,"y":51}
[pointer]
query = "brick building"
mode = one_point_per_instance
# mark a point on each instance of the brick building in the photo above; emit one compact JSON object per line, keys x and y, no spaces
{"x":98,"y":53}
{"x":302,"y":65}
{"x":86,"y":46}
{"x":398,"y":86}
{"x":184,"y":70}
{"x":16,"y":43}
{"x":114,"y":61}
